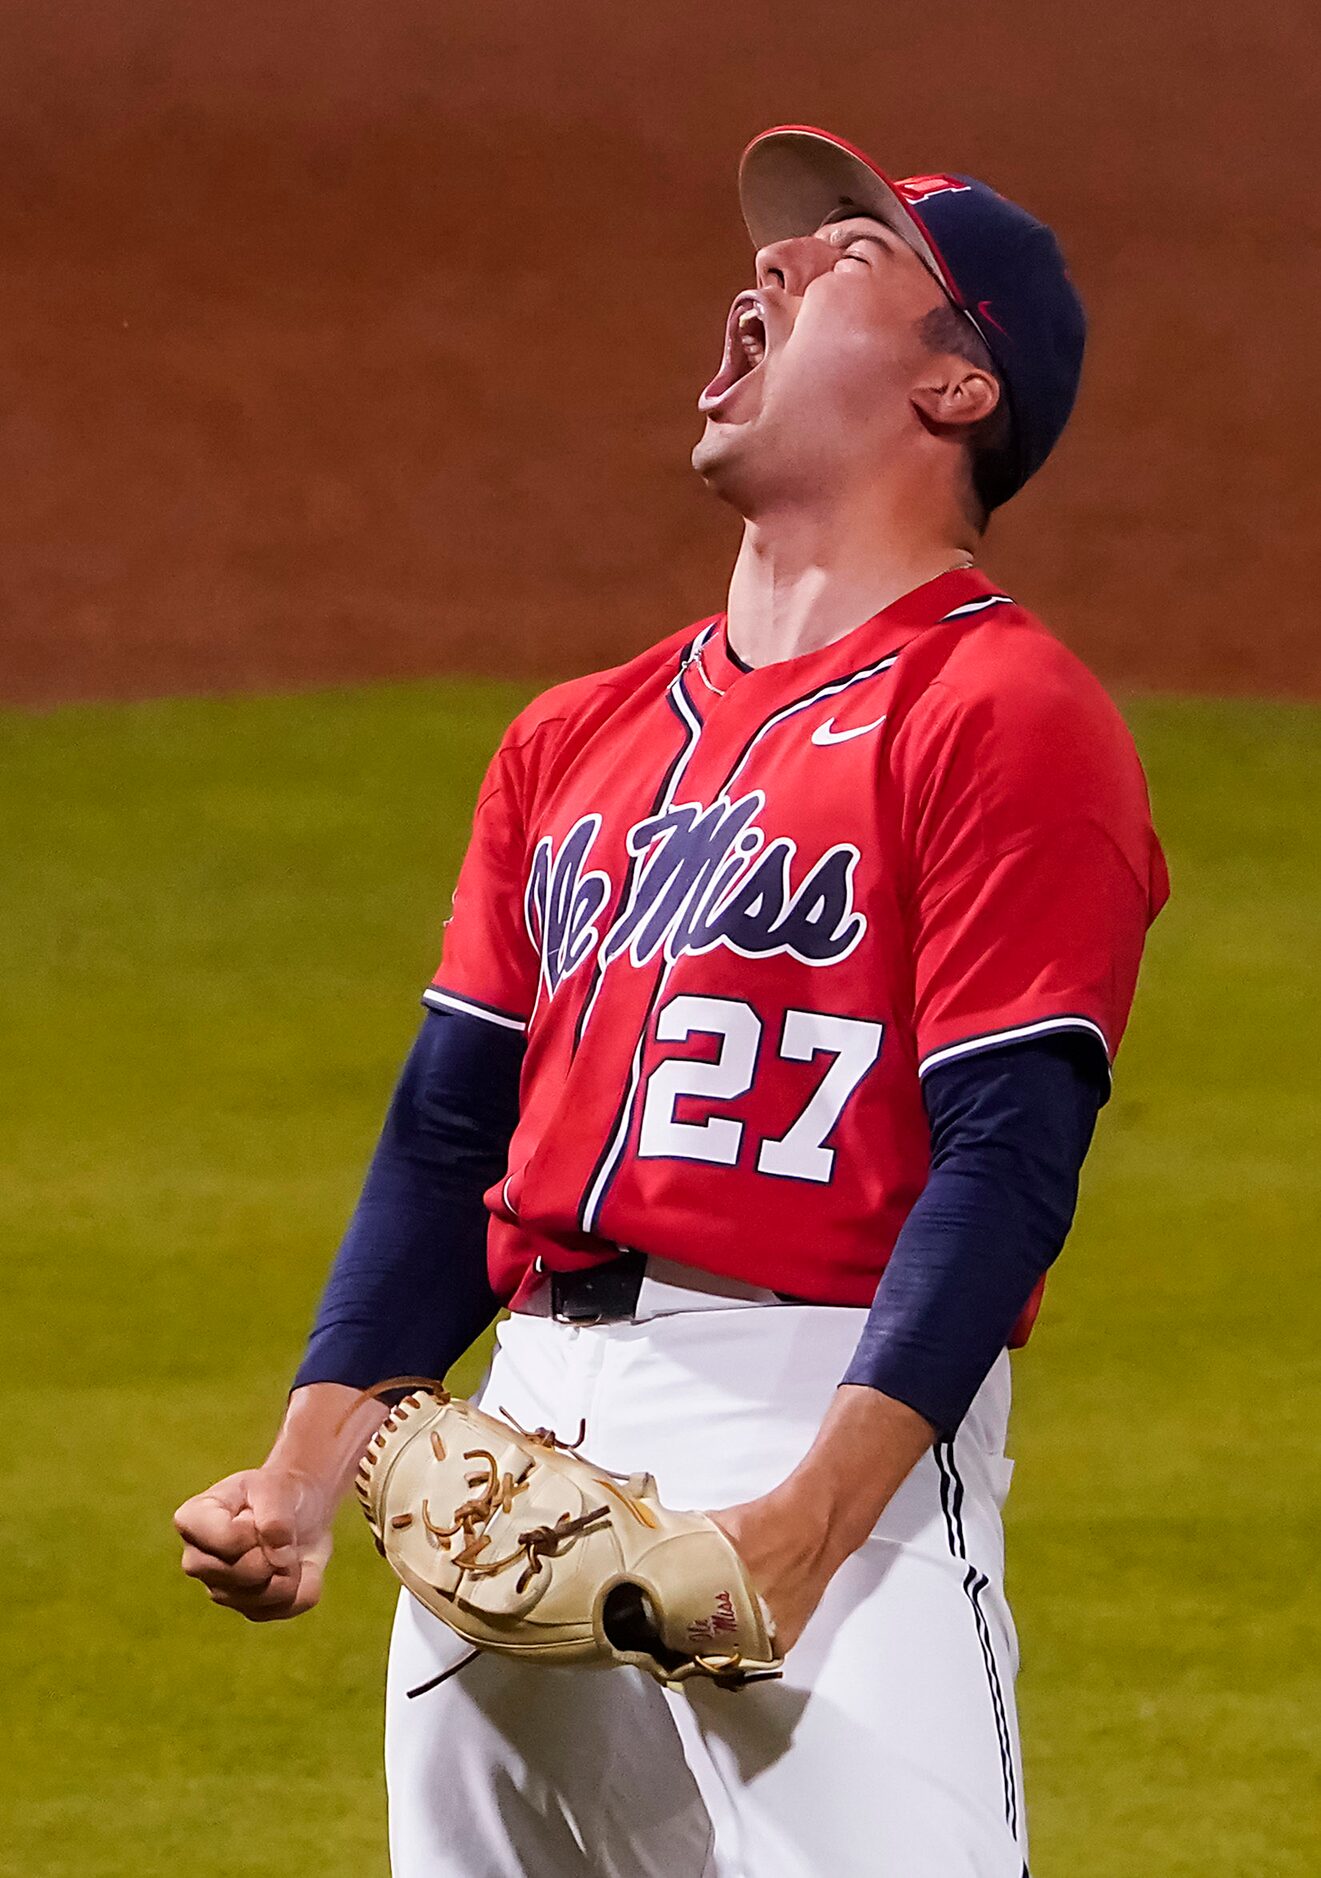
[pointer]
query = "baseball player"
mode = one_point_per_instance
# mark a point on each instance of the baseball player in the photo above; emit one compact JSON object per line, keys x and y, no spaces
{"x":786,"y":969}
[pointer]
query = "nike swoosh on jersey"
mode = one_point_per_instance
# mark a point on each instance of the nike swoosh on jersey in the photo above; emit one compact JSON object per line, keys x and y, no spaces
{"x":826,"y":733}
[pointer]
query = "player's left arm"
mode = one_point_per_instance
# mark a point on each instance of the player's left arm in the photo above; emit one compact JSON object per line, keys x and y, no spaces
{"x":1034,"y":874}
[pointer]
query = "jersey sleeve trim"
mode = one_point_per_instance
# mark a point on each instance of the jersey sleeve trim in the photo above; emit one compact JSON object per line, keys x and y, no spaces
{"x":438,"y":999}
{"x":993,"y":1039}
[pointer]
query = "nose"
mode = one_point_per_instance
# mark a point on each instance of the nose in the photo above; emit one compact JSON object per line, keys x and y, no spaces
{"x":794,"y":263}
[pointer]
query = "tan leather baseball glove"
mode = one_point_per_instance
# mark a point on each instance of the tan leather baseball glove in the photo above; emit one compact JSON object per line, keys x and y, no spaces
{"x":522,"y":1546}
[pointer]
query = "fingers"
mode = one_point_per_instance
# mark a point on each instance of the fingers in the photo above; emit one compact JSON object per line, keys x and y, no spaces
{"x":218,"y":1521}
{"x":250,"y":1572}
{"x":259,"y":1542}
{"x":259,"y":1607}
{"x":309,"y":1588}
{"x":247,"y":1509}
{"x":275,"y":1503}
{"x":283,"y":1595}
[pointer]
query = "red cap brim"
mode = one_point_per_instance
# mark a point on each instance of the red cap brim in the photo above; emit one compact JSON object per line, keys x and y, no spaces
{"x":792,"y":177}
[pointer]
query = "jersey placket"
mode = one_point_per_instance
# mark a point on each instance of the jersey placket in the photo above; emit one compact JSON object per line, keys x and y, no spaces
{"x":697,"y":702}
{"x":741,"y":715}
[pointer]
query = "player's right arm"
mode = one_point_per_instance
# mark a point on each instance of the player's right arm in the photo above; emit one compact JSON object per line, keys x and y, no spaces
{"x":407,"y":1294}
{"x":408,"y":1291}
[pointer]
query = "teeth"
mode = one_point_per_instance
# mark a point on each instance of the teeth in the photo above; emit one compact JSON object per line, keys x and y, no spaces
{"x":751,"y":334}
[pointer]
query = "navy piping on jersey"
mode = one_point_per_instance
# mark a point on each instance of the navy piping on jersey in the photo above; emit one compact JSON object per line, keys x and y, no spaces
{"x":734,"y":658}
{"x":1069,"y":1021}
{"x":607,"y":1162}
{"x":980,"y":605}
{"x":438,"y":999}
{"x":611,"y":1156}
{"x":689,"y":717}
{"x":974,"y":1583}
{"x":817,"y":696}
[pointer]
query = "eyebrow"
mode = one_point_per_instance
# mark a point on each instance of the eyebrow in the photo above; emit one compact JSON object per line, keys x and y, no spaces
{"x":878,"y":232}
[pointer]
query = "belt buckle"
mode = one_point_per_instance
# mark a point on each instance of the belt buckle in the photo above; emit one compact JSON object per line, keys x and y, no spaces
{"x":561,"y":1306}
{"x":605,"y":1294}
{"x":583,"y":1323}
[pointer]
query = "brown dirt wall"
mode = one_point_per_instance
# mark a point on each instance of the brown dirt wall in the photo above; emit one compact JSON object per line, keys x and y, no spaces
{"x":346,"y":340}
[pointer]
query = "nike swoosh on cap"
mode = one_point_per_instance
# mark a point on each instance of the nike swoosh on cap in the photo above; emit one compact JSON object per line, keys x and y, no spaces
{"x":826,"y":733}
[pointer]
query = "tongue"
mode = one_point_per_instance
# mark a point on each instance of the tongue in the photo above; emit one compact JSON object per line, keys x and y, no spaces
{"x":732,"y":368}
{"x":735,"y":365}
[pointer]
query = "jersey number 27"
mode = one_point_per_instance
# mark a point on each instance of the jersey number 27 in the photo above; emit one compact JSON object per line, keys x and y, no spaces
{"x":801,"y":1153}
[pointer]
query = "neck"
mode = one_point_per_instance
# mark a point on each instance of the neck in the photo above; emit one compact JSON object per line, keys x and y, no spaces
{"x":805,"y":578}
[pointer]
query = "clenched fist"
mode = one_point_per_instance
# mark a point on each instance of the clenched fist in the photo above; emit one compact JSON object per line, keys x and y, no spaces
{"x":258,"y":1541}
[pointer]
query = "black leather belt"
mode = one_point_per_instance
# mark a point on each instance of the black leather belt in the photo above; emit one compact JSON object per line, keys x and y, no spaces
{"x":608,"y":1293}
{"x":603,"y":1294}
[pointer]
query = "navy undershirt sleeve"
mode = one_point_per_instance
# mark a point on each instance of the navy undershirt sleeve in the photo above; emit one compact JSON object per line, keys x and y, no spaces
{"x":1009,"y":1132}
{"x":408,"y":1291}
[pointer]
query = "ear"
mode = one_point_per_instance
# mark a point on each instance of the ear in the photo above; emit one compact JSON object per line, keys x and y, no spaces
{"x":954,"y":395}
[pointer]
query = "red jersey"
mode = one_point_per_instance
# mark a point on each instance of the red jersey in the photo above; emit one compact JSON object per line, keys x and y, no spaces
{"x":740,"y":913}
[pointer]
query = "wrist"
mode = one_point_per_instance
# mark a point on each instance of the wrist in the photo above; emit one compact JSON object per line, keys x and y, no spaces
{"x":325,"y":1429}
{"x":820,"y":1516}
{"x":867,"y":1446}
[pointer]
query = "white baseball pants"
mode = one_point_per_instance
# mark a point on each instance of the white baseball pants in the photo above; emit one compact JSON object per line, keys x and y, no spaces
{"x":889,"y":1749}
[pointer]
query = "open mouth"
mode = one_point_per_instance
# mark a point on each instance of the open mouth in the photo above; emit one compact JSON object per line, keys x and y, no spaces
{"x":745,"y":349}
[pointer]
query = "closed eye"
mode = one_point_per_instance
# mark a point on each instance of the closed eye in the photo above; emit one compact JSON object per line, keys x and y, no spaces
{"x":856,"y":246}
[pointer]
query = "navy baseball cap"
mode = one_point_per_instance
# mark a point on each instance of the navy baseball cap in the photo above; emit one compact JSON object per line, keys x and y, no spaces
{"x":999,"y":266}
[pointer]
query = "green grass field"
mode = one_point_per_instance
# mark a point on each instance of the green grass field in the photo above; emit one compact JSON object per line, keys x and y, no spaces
{"x":219,"y":913}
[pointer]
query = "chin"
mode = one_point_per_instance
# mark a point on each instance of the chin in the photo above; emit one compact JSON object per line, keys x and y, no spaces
{"x":720,"y":457}
{"x":744,"y":470}
{"x":709,"y":449}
